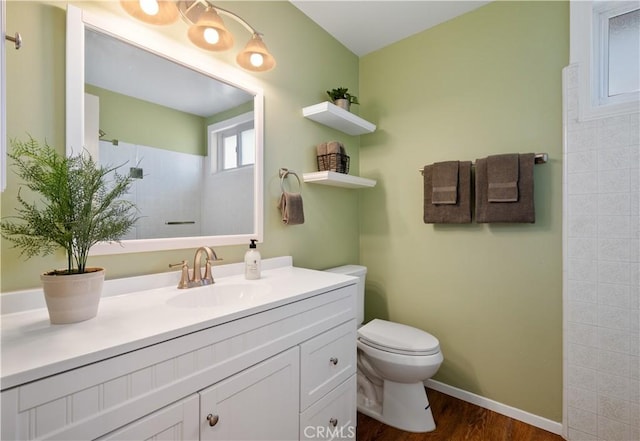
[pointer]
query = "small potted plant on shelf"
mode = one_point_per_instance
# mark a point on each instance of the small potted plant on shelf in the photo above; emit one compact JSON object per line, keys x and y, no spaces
{"x":342,"y":98}
{"x":80,"y":204}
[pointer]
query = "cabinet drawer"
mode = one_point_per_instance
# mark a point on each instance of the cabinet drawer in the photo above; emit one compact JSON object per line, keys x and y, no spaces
{"x":326,"y":361}
{"x":333,"y":416}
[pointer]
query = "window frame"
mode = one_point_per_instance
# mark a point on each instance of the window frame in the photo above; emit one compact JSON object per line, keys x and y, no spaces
{"x":213,"y":130}
{"x":587,"y":49}
{"x":236,"y":130}
{"x":603,"y":13}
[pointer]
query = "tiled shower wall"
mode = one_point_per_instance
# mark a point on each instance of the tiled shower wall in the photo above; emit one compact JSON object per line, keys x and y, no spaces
{"x":601,"y":283}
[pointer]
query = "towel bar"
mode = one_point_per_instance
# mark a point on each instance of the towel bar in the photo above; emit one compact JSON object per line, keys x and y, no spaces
{"x":540,"y":158}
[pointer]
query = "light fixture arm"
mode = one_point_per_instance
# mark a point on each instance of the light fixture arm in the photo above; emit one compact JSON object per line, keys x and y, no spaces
{"x":237,"y":18}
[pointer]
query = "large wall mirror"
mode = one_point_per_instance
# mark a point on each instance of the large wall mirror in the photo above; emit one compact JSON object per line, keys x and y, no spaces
{"x":188,"y":128}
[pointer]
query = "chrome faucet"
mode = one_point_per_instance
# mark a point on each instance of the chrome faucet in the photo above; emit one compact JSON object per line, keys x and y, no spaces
{"x":198,"y":279}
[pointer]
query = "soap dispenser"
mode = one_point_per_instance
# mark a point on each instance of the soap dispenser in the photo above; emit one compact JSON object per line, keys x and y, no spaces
{"x":252,"y":262}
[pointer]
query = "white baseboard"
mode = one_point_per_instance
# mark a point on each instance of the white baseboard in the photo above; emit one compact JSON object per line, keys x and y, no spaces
{"x":503,"y":409}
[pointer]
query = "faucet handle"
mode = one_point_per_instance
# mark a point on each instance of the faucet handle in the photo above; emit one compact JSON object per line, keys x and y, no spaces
{"x":207,"y":279}
{"x":184,"y":275}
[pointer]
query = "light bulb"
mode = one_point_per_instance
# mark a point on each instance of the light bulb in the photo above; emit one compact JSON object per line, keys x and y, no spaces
{"x":256,"y":59}
{"x":149,"y":7}
{"x":211,"y":36}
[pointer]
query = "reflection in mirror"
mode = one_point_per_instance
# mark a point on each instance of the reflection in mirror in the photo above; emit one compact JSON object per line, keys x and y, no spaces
{"x":156,"y":114}
{"x":192,"y":141}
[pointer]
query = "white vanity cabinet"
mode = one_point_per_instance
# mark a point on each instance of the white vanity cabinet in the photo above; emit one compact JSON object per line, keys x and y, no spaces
{"x":268,"y":375}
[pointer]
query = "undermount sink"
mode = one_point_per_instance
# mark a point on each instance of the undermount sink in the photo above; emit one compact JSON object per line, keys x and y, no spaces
{"x":220,"y":295}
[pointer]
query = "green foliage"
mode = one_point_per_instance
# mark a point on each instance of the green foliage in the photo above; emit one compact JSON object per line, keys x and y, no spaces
{"x":342,"y":93}
{"x":80,"y":204}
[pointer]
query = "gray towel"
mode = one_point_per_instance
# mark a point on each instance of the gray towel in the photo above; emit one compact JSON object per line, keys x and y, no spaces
{"x":445,"y":182}
{"x":502,"y":176}
{"x":291,"y":207}
{"x":458,"y":213}
{"x":521,"y":211}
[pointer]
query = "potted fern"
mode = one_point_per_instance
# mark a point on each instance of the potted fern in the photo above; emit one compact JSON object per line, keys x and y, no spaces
{"x":342,"y":98}
{"x":80,"y":204}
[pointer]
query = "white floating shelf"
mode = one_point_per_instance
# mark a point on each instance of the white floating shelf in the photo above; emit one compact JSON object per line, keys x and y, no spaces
{"x":336,"y":117}
{"x":337,"y":179}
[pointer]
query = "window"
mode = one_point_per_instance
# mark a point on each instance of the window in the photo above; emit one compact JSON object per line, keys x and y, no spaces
{"x":616,"y":52}
{"x":238,"y":146}
{"x":232,"y":143}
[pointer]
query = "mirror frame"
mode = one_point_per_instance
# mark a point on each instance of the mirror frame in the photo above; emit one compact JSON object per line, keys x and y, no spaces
{"x":78,"y":20}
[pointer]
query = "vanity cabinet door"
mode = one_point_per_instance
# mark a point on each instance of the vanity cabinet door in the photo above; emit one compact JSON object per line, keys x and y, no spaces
{"x":178,"y":421}
{"x":259,"y":403}
{"x":326,"y":361}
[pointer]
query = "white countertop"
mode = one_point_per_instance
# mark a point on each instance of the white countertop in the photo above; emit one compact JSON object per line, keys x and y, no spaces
{"x":32,"y":348}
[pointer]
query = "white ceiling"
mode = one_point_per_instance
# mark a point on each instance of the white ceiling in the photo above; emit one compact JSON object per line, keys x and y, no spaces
{"x":366,"y":26}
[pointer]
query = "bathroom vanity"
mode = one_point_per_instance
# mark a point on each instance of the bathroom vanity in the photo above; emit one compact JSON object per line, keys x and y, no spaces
{"x":270,"y":359}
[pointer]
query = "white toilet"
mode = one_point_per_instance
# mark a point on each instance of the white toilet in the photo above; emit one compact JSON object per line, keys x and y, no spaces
{"x":393,"y":362}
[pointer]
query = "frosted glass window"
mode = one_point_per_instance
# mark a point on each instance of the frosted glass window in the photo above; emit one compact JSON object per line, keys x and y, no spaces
{"x":624,"y":53}
{"x":248,"y":143}
{"x":237,"y":147}
{"x":230,"y":144}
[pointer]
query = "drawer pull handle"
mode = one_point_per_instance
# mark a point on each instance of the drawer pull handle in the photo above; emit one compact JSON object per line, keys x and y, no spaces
{"x":213,"y":419}
{"x":333,"y":422}
{"x":333,"y":360}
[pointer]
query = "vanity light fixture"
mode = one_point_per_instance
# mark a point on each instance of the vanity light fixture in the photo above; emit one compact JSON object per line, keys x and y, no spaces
{"x":206,"y":28}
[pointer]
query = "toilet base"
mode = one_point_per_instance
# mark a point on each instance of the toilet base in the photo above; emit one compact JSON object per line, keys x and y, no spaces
{"x":405,"y":406}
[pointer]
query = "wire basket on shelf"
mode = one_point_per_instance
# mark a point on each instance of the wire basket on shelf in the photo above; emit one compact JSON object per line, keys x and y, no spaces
{"x":337,"y":162}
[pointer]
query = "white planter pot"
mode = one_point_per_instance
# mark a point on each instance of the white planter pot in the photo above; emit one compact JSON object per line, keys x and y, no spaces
{"x":343,"y":103}
{"x":73,"y":298}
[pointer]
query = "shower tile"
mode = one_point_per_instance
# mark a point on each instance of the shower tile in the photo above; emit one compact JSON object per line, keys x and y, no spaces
{"x":582,"y":399}
{"x":613,"y":385}
{"x":613,"y":294}
{"x":613,"y":226}
{"x":582,"y":291}
{"x":613,"y":272}
{"x":614,"y":408}
{"x":614,"y":249}
{"x":587,"y":422}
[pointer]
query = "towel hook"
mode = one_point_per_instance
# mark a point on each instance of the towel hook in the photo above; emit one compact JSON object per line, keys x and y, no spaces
{"x":16,"y":39}
{"x":284,"y":172}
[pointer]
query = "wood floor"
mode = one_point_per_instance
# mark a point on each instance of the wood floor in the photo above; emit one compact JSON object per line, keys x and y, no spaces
{"x":456,"y":420}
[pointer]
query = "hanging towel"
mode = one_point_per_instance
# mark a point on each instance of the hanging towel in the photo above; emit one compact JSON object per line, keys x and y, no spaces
{"x":521,"y":211}
{"x":502,"y":176}
{"x":445,"y":182}
{"x":291,"y":207}
{"x":458,"y":213}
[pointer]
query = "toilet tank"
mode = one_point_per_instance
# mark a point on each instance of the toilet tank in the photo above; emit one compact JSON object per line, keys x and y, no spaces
{"x":360,"y":272}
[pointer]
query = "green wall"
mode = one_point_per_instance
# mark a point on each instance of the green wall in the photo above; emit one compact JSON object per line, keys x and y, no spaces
{"x":140,"y":122}
{"x":485,"y":83}
{"x":329,"y":236}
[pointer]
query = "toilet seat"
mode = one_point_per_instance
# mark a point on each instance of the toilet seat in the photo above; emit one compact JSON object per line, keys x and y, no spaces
{"x":398,"y":338}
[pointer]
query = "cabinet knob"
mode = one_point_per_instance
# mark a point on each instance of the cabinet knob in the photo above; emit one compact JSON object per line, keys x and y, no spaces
{"x":333,"y":422}
{"x":333,"y":360}
{"x":213,"y":419}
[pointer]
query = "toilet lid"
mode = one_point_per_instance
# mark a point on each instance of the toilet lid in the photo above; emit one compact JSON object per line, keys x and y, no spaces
{"x":398,"y":338}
